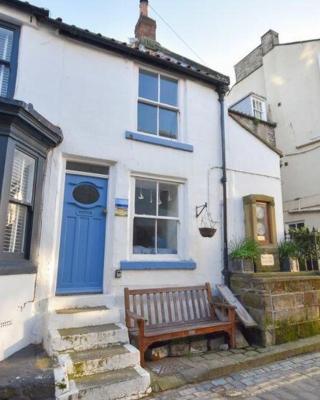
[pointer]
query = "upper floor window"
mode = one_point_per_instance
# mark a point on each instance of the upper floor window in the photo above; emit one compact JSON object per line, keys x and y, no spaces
{"x":156,"y":217}
{"x":258,"y":108}
{"x":158,"y":105}
{"x":8,"y":58}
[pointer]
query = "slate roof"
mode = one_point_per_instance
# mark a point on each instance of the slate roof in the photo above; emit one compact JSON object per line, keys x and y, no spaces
{"x":147,"y":51}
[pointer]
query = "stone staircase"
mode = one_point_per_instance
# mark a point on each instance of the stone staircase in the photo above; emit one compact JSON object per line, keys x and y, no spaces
{"x":94,"y":357}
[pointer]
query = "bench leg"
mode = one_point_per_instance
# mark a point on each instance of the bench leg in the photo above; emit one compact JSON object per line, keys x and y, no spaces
{"x":232,"y":338}
{"x":142,"y":349}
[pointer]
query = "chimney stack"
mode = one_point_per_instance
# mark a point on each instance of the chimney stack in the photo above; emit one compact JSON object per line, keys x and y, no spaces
{"x":146,"y":27}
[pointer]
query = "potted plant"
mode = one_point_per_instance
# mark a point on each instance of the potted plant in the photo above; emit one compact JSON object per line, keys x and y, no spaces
{"x":243,"y":255}
{"x":288,"y":255}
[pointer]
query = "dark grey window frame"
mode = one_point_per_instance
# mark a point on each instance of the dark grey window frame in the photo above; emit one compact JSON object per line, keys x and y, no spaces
{"x":13,"y":63}
{"x":22,"y":128}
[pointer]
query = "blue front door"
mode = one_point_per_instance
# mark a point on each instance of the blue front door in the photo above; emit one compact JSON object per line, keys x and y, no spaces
{"x":83,"y":231}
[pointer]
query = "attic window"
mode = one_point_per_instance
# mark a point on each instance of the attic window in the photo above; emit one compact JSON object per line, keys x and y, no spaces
{"x":258,"y":108}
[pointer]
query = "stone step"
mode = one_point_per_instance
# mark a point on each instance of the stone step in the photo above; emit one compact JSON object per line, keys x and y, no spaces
{"x":91,"y":362}
{"x":78,"y":301}
{"x":128,"y":383}
{"x":85,"y":338}
{"x":85,"y":316}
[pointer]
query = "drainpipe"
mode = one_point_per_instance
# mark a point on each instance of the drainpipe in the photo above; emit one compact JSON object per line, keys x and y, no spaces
{"x":222,"y":91}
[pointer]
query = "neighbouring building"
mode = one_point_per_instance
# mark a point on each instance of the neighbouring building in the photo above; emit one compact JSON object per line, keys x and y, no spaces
{"x":107,"y":148}
{"x":279,"y":82}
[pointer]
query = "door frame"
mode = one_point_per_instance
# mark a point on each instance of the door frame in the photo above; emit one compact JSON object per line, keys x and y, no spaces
{"x":107,"y":275}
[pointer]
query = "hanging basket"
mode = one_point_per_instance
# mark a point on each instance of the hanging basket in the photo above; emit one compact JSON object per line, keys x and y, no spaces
{"x":207,"y":232}
{"x":207,"y":225}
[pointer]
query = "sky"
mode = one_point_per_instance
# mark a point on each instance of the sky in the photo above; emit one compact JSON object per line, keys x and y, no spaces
{"x":220,"y":32}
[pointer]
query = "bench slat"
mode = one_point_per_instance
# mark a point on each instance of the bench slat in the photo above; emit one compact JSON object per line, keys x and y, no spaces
{"x":164,"y":290}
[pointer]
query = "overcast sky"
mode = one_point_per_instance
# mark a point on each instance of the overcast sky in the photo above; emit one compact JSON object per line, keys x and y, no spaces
{"x":221,"y":32}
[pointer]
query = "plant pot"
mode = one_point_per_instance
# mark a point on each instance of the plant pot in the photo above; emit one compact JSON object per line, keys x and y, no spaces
{"x":241,"y":265}
{"x":285,"y":265}
{"x":207,"y":232}
{"x":289,"y":264}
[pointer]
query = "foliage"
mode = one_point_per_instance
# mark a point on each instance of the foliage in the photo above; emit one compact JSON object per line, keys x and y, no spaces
{"x":308,"y":246}
{"x":247,"y":249}
{"x":288,"y":249}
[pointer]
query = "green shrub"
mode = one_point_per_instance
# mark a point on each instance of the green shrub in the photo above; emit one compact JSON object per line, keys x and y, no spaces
{"x":288,"y":249}
{"x":247,"y":249}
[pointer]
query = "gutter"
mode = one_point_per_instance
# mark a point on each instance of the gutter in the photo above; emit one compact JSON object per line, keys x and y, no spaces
{"x":225,"y":270}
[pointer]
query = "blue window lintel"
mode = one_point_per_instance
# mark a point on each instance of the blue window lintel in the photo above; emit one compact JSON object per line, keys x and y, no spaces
{"x":157,"y":265}
{"x":159,"y":141}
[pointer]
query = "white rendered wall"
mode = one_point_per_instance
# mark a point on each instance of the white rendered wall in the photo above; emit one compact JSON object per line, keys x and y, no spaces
{"x":291,"y":77}
{"x":92,"y":96}
{"x":17,"y":317}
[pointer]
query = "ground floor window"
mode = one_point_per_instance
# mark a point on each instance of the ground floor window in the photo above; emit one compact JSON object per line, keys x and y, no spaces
{"x":25,"y":141}
{"x":296,"y":225}
{"x":156,"y":217}
{"x":19,"y":214}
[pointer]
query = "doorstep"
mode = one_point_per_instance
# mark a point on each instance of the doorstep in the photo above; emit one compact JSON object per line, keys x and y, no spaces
{"x":174,"y":372}
{"x":27,"y":375}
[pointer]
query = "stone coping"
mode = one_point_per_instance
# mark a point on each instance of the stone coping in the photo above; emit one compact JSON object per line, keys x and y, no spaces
{"x":174,"y":372}
{"x":279,"y":276}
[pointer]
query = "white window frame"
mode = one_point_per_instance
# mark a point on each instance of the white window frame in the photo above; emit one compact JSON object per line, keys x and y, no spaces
{"x":295,"y":223}
{"x":159,"y":105}
{"x":262,"y":111}
{"x":179,"y":218}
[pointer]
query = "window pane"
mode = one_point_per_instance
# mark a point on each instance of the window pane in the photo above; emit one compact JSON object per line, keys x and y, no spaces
{"x":14,"y":231}
{"x":6,"y":40}
{"x":147,"y":118}
{"x":146,"y":197}
{"x":168,"y":123}
{"x":168,"y":200}
{"x":144,"y":230}
{"x":21,"y":187}
{"x":169,"y":91}
{"x":148,"y":85}
{"x":167,"y":237}
{"x":262,"y":222}
{"x":4,"y":80}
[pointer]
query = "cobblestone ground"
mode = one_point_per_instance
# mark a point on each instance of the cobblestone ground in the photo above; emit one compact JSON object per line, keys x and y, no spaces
{"x":297,"y":378}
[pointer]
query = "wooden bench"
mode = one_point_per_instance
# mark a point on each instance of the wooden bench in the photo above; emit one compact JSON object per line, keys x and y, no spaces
{"x":156,"y":315}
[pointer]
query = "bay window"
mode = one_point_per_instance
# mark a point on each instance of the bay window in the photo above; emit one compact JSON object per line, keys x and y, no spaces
{"x":25,"y":140}
{"x":20,"y":204}
{"x":158,"y":105}
{"x":156,"y":217}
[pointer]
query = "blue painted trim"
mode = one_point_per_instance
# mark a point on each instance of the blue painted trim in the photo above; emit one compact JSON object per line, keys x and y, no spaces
{"x":159,"y":141}
{"x":14,"y":56}
{"x":157,"y":265}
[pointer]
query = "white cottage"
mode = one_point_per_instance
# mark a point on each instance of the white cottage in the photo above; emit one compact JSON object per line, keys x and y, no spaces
{"x":107,"y":148}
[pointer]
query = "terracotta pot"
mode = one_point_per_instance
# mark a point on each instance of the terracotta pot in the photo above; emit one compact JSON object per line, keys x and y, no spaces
{"x":207,"y":232}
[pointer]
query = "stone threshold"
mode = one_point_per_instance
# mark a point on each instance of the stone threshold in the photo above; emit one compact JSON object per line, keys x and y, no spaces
{"x":174,"y":372}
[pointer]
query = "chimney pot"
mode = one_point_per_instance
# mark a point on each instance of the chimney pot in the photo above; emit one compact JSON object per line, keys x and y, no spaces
{"x":144,"y":7}
{"x":146,"y":27}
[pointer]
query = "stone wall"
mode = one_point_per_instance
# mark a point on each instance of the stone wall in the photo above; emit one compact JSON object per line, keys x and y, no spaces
{"x":284,"y":305}
{"x":264,"y":130}
{"x":254,"y":59}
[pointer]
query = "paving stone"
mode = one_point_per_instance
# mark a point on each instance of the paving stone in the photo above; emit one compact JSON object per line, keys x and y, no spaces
{"x":278,"y":381}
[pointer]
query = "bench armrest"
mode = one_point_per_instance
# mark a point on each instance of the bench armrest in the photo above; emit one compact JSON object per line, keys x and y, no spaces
{"x":223,"y":305}
{"x":135,"y":316}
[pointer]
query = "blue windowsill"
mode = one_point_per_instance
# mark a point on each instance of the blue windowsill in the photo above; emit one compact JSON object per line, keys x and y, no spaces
{"x":159,"y":141}
{"x":157,"y":265}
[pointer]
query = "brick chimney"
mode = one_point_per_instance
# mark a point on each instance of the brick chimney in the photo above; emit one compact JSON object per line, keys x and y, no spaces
{"x":146,"y":27}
